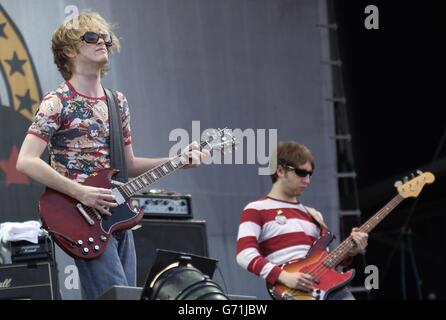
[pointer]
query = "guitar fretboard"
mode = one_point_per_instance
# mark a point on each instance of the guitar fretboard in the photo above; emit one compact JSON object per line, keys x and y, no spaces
{"x":341,"y":251}
{"x":144,"y":180}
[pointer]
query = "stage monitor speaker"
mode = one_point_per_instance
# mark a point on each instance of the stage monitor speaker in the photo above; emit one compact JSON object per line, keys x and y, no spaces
{"x":188,"y":236}
{"x":241,"y":297}
{"x":121,"y":293}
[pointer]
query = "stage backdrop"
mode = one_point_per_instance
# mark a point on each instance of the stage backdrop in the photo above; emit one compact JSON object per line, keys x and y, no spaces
{"x":236,"y":63}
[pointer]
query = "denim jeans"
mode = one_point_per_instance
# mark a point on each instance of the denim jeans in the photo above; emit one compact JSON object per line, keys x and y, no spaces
{"x":116,"y":266}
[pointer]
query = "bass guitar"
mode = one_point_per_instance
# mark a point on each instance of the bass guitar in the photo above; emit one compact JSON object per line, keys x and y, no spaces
{"x":321,"y":264}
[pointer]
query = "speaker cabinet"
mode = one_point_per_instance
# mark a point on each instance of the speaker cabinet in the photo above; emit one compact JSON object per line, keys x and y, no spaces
{"x":185,"y":236}
{"x":28,"y":281}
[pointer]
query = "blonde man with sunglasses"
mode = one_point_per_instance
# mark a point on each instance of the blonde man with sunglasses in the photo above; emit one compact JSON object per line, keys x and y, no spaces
{"x":72,"y":121}
{"x":278,"y":228}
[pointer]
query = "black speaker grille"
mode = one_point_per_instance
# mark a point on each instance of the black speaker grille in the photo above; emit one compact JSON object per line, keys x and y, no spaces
{"x":184,"y":236}
{"x":28,"y":281}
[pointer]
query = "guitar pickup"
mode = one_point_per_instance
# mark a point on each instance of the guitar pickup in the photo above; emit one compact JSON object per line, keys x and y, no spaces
{"x":84,"y":214}
{"x":118,"y":196}
{"x":117,"y":183}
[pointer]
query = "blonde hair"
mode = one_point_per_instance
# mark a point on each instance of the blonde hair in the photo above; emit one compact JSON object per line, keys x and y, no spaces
{"x":67,"y":37}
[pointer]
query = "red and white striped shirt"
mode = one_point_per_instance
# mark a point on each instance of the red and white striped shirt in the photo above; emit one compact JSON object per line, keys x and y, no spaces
{"x":263,"y":242}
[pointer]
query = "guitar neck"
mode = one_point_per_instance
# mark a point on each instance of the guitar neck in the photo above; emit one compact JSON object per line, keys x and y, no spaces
{"x":144,"y":180}
{"x":341,"y":251}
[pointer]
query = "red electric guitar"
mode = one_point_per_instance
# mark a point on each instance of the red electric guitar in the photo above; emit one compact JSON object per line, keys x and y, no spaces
{"x":322,"y":265}
{"x":81,"y":231}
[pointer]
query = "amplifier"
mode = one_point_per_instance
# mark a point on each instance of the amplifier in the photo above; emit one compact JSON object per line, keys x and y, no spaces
{"x":163,"y":205}
{"x":25,"y":250}
{"x":28,"y":281}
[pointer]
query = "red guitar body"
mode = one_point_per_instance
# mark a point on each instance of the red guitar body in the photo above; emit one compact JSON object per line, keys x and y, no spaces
{"x":326,"y":279}
{"x":79,"y":238}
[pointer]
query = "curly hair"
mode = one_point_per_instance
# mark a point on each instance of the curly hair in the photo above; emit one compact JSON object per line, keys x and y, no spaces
{"x":67,"y":38}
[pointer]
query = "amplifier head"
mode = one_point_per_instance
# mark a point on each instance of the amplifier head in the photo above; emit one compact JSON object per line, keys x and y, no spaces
{"x":163,"y":206}
{"x":25,"y":251}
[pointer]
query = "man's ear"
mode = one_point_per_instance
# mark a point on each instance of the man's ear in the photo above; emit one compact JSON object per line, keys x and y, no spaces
{"x":69,"y":53}
{"x":280,"y":171}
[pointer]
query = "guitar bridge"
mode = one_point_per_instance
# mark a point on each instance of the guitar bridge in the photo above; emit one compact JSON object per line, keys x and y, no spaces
{"x":98,"y":215}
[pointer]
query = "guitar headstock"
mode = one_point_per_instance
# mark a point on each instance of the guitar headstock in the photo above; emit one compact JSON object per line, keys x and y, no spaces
{"x":221,"y":139}
{"x":413,"y":187}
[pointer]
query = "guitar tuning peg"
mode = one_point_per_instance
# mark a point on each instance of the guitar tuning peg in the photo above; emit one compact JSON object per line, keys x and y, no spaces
{"x":412,"y":175}
{"x":419,"y":172}
{"x":397,"y":183}
{"x":405,"y":179}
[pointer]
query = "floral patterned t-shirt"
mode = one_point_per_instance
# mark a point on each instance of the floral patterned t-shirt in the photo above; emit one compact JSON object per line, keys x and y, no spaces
{"x":76,"y":128}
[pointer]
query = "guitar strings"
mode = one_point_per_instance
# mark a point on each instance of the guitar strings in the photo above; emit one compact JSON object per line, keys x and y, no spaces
{"x":320,"y":267}
{"x":128,"y":193}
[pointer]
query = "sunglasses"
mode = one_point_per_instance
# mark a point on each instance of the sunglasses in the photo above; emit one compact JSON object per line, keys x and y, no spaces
{"x":300,"y":172}
{"x":93,"y":38}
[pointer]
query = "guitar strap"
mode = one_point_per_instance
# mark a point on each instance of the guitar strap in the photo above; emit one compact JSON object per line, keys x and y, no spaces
{"x":315,"y":215}
{"x":117,"y":154}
